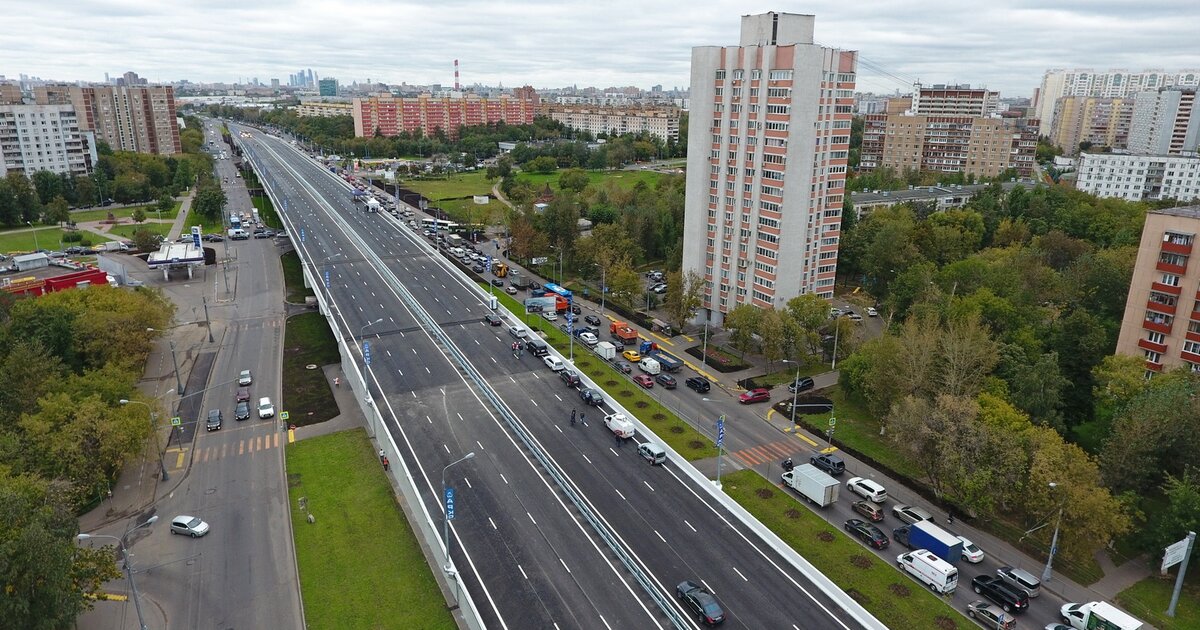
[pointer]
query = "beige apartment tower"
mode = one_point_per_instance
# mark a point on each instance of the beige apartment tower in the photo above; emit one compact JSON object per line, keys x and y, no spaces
{"x":1162,"y":313}
{"x":1102,"y":121}
{"x":768,"y":145}
{"x":131,"y":118}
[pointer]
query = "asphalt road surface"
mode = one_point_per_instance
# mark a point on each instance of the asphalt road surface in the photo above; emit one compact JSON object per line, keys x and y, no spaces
{"x":530,"y":559}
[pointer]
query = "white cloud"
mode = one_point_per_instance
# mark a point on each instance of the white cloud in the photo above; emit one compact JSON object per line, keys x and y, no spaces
{"x":1006,"y":45}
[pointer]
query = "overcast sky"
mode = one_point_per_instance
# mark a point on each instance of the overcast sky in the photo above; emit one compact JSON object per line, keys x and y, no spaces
{"x":1003,"y":44}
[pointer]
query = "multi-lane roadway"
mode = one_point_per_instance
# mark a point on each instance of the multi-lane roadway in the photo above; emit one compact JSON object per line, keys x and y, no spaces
{"x":529,"y":556}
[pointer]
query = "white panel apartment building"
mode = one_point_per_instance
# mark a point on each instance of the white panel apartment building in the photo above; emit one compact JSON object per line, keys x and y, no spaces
{"x":1112,"y":84}
{"x":1165,"y":121}
{"x":44,"y":138}
{"x":1139,"y":177}
{"x":768,"y":145}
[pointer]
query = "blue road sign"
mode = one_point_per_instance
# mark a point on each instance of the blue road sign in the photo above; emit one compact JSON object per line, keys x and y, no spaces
{"x":301,"y":235}
{"x":367,"y":352}
{"x":721,"y":431}
{"x":449,"y":504}
{"x":326,"y":279}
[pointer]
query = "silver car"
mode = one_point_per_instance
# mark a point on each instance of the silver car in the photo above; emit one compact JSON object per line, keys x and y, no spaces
{"x":189,"y":526}
{"x":911,"y":514}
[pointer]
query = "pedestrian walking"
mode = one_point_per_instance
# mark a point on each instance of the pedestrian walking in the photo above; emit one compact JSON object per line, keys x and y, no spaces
{"x":572,"y":417}
{"x":337,"y":382}
{"x":618,"y":437}
{"x":381,"y":454}
{"x":581,"y":420}
{"x":386,"y":463}
{"x":949,"y":517}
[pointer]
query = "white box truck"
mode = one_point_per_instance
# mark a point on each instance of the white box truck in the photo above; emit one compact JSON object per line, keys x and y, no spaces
{"x":619,"y":425}
{"x":373,"y":205}
{"x":812,"y":484}
{"x":1098,"y":616}
{"x":606,"y":350}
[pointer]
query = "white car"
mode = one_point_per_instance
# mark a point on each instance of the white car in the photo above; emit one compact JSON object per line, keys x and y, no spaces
{"x":971,"y":552}
{"x":265,"y":408}
{"x":554,"y":363}
{"x":550,"y":316}
{"x":244,"y":378}
{"x":589,"y":339}
{"x":189,"y":526}
{"x":867,"y":489}
{"x":619,"y":425}
{"x":871,"y":312}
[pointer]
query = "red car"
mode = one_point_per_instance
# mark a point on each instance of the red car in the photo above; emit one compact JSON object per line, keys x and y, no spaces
{"x":755,"y":395}
{"x":645,"y":380}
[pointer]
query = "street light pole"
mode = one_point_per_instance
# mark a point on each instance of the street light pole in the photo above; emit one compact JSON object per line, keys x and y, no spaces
{"x":34,"y":230}
{"x":162,"y":464}
{"x":446,"y":519}
{"x":128,"y":561}
{"x":175,"y":362}
{"x":1053,"y":541}
{"x":795,"y":390}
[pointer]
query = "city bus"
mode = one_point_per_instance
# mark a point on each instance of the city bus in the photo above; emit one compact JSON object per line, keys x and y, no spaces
{"x":441,"y":225}
{"x":554,"y":288}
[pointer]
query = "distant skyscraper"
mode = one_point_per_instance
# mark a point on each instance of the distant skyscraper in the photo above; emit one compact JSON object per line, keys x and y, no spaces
{"x":768,"y":148}
{"x":328,"y":86}
{"x":275,"y":83}
{"x":310,"y":81}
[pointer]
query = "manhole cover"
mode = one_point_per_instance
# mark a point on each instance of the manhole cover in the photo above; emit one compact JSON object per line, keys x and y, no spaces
{"x":311,"y":366}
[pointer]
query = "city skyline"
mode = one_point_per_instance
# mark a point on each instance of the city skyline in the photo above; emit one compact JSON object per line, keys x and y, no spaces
{"x":1006,"y":46}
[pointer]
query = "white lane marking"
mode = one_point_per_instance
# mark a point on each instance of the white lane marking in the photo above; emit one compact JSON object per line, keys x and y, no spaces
{"x":523,"y":572}
{"x":389,"y":352}
{"x":648,"y":485}
{"x":428,"y":419}
{"x":493,"y":359}
{"x":610,"y":449}
{"x":468,"y":482}
{"x":558,"y":427}
{"x":402,"y":374}
{"x":493,"y":523}
{"x":564,"y":562}
{"x":534,"y":402}
{"x":502,"y":477}
{"x":585,"y":457}
{"x":620,"y":495}
{"x":709,"y":587}
{"x":512,"y":379}
{"x":735,"y":570}
{"x":664,"y":539}
{"x":479,"y":445}
{"x":427,"y":371}
{"x":559,"y":399}
{"x":447,"y":449}
{"x":531,"y":518}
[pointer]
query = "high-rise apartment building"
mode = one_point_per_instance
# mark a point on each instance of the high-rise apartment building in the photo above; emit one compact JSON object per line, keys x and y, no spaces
{"x":656,"y":121}
{"x":1099,"y":120}
{"x":1139,"y":177}
{"x":44,"y":138}
{"x":10,"y":94}
{"x":390,"y":115}
{"x":1165,"y":121}
{"x":1162,"y":313}
{"x":955,"y":100}
{"x":140,"y":119}
{"x":328,"y":87}
{"x":768,"y":147}
{"x":322,"y":109}
{"x":1112,"y":84}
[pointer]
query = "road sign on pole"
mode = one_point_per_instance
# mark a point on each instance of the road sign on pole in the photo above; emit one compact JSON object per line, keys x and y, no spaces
{"x":367,"y":352}
{"x":327,"y":279}
{"x":302,"y":235}
{"x":721,"y":431}
{"x":449,"y":504}
{"x":176,"y":421}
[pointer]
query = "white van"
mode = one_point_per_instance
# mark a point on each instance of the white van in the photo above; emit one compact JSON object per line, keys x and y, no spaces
{"x":939,"y":575}
{"x":652,"y":453}
{"x":650,"y":366}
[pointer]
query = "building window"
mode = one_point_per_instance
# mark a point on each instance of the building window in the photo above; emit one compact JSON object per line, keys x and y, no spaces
{"x":755,"y":74}
{"x":1158,"y":318}
{"x":720,"y":75}
{"x":1157,"y":337}
{"x":1177,"y":239}
{"x":1170,"y":279}
{"x":781,"y":75}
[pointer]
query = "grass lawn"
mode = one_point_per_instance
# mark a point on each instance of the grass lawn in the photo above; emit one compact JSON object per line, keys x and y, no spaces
{"x":623,"y":179}
{"x":686,"y":441}
{"x":293,"y":278}
{"x":100,"y":214}
{"x":458,"y":185}
{"x":360,"y":563}
{"x":1149,"y":599}
{"x":47,"y":238}
{"x":786,"y":376}
{"x":126,"y":231}
{"x":306,"y":393}
{"x":266,"y":212}
{"x":894,"y":598}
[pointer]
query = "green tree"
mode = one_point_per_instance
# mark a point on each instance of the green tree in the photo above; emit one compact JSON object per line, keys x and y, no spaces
{"x":138,"y":215}
{"x":1181,"y":514}
{"x":773,"y":330}
{"x":742,"y":321}
{"x":684,"y":296}
{"x":57,"y":211}
{"x":543,"y":164}
{"x":573,"y":179}
{"x":165,"y":203}
{"x":624,"y":284}
{"x":210,"y":202}
{"x":1154,"y":434}
{"x":145,"y":240}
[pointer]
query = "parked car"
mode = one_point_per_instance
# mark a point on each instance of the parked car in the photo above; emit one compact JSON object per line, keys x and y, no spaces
{"x":871,"y":312}
{"x":569,"y":377}
{"x":589,"y":338}
{"x":867,"y":533}
{"x":911,"y":514}
{"x":755,"y":395}
{"x":701,"y":603}
{"x":632,"y":356}
{"x":591,"y":397}
{"x":699,"y":383}
{"x":510,"y":289}
{"x":645,"y":380}
{"x":189,"y":526}
{"x":666,"y":380}
{"x":592,"y":319}
{"x":997,"y":590}
{"x":991,"y":616}
{"x":802,"y":384}
{"x":869,"y":510}
{"x":554,"y":363}
{"x":549,"y":316}
{"x":492,"y":319}
{"x":1021,"y":579}
{"x":867,"y":489}
{"x":477,"y":268}
{"x":970,"y":551}
{"x":828,"y":462}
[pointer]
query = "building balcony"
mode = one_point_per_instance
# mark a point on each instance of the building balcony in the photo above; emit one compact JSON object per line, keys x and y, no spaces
{"x":1178,"y":270}
{"x":1184,"y":249}
{"x":1146,"y":344}
{"x":1154,"y":367}
{"x":1192,"y":336}
{"x":1166,"y":288}
{"x":1189,"y":356}
{"x":1158,"y":307}
{"x":1149,"y":324}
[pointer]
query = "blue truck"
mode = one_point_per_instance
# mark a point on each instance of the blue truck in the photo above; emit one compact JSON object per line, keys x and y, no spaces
{"x":669,"y":362}
{"x":926,"y":535}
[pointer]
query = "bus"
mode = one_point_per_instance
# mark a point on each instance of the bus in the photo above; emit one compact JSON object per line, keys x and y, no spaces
{"x":235,"y":221}
{"x":554,"y":288}
{"x":441,"y":225}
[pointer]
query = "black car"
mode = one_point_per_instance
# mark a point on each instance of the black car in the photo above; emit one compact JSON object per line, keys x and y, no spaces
{"x":533,"y":286}
{"x":496,"y":282}
{"x":802,"y":384}
{"x":867,"y":533}
{"x":624,"y":367}
{"x":995,"y":589}
{"x":263,"y":235}
{"x":828,"y":462}
{"x":592,"y":319}
{"x":214,"y":420}
{"x":242,"y":411}
{"x":591,"y":397}
{"x":569,"y":377}
{"x":492,"y":319}
{"x":700,"y":602}
{"x":699,"y":383}
{"x":477,"y":268}
{"x":575,"y":309}
{"x":666,"y":380}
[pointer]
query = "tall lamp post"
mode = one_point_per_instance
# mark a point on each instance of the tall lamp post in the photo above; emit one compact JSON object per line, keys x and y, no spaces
{"x":153,"y":427}
{"x":795,"y":387}
{"x":128,"y":562}
{"x":1053,"y":540}
{"x":720,"y":443}
{"x":449,"y":510}
{"x":368,"y":325}
{"x":35,"y":241}
{"x":175,"y":362}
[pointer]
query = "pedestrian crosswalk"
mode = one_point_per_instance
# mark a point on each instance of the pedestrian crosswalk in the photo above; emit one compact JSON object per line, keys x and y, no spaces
{"x":243,"y":447}
{"x":763,"y":453}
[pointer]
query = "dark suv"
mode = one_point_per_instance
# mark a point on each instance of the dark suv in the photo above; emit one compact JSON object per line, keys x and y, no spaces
{"x":699,"y":383}
{"x":802,"y":384}
{"x":995,"y":589}
{"x":666,"y":380}
{"x":569,"y":377}
{"x":829,"y":462}
{"x":591,"y":397}
{"x":214,"y":420}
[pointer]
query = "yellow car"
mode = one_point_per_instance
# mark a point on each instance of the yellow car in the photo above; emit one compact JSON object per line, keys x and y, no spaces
{"x":632,"y":355}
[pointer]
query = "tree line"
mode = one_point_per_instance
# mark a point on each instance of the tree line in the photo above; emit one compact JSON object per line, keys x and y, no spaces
{"x":66,"y":361}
